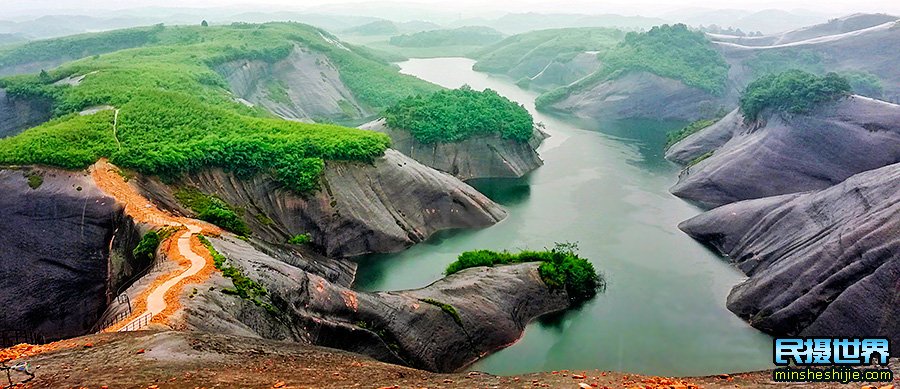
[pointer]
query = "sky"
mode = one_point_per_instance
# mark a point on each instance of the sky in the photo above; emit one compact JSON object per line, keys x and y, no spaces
{"x":629,"y":7}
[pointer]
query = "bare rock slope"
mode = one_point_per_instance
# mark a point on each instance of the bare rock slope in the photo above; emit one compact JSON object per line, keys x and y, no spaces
{"x":823,"y":263}
{"x":477,"y":157}
{"x":66,"y":249}
{"x":442,"y":327}
{"x":361,"y":208}
{"x":782,"y":153}
{"x":642,"y":95}
{"x":304,"y":86}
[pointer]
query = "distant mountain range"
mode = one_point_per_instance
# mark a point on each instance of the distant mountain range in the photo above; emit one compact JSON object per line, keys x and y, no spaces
{"x":337,"y":18}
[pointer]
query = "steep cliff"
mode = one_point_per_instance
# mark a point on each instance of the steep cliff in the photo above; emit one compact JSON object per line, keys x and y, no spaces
{"x":477,"y":157}
{"x":18,"y":114}
{"x":304,"y":86}
{"x":67,"y":248}
{"x":442,"y":327}
{"x":783,"y":153}
{"x":642,"y":95}
{"x":361,"y":208}
{"x":823,"y":263}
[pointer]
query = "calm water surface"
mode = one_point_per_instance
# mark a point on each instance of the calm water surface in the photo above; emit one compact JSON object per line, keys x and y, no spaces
{"x":605,"y":186}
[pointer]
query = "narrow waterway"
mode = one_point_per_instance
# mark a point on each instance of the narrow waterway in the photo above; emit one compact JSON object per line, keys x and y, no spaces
{"x":604,"y":186}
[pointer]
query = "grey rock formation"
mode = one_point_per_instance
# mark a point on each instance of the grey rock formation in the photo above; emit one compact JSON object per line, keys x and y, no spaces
{"x":706,"y":140}
{"x":361,"y":208}
{"x":477,"y":157}
{"x":784,"y":153}
{"x":493,"y":306}
{"x":66,"y":249}
{"x":857,"y":43}
{"x":823,"y":263}
{"x":875,"y":50}
{"x":304,"y":86}
{"x":18,"y":114}
{"x":643,"y":95}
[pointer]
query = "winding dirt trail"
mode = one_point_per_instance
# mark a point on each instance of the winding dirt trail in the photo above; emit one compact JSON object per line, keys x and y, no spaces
{"x":161,"y":298}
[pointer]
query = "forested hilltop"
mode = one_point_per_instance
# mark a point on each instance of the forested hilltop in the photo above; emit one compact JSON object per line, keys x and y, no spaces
{"x":671,"y":51}
{"x":456,"y":115}
{"x":170,"y":113}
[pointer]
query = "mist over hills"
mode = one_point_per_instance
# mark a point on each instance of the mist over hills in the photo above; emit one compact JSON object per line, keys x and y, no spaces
{"x":341,"y":17}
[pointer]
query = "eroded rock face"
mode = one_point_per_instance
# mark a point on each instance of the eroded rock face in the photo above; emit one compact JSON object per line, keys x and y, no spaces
{"x":17,"y":114}
{"x":493,"y":307}
{"x":643,"y":95}
{"x":784,"y":153}
{"x":304,"y":86}
{"x":706,"y":140}
{"x":824,"y":263}
{"x":361,"y":208}
{"x":66,"y":249}
{"x":477,"y":157}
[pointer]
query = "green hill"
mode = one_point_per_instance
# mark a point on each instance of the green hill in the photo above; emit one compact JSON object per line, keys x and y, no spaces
{"x":176,"y":114}
{"x":378,"y":27}
{"x":513,"y":56}
{"x":79,"y":46}
{"x":458,"y":114}
{"x":669,"y":51}
{"x":463,"y":36}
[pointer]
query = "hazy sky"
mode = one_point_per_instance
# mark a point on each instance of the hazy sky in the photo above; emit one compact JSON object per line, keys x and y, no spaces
{"x":643,"y":7}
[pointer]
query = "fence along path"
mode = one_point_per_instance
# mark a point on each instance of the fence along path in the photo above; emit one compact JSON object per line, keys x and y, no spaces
{"x":153,"y":302}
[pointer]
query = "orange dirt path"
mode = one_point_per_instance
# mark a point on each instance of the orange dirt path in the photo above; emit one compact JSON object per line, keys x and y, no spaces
{"x":161,"y":298}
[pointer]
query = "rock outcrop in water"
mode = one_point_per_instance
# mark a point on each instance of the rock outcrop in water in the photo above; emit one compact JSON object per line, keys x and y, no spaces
{"x":782,"y":153}
{"x":642,"y":95}
{"x":304,"y":86}
{"x":823,"y":263}
{"x":66,"y":249}
{"x":361,"y":208}
{"x":476,"y":157}
{"x":442,"y":327}
{"x":18,"y":114}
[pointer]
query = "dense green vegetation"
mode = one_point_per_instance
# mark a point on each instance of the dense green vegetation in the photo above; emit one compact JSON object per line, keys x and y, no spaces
{"x":145,"y":251}
{"x":676,"y":136}
{"x":561,"y":267}
{"x":864,"y":83}
{"x":455,"y":115}
{"x":524,"y":55}
{"x":300,"y":239}
{"x":669,"y":51}
{"x":463,"y":36}
{"x":214,"y":210}
{"x":244,"y":287}
{"x":78,"y":46}
{"x":793,"y":91}
{"x":176,"y":114}
{"x":447,"y":308}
